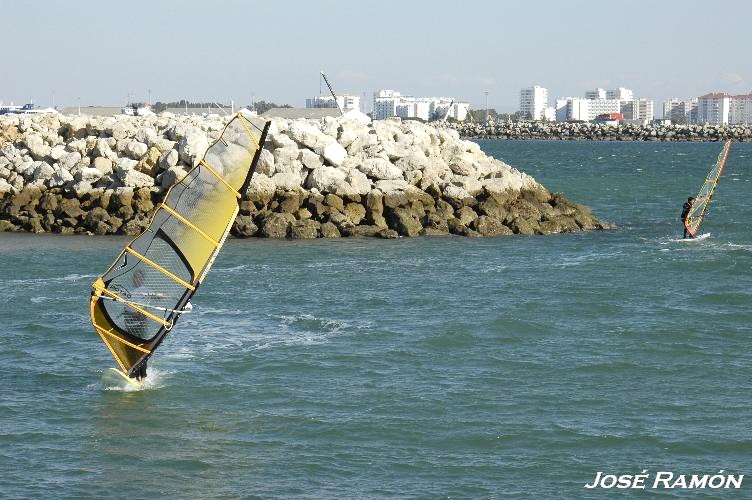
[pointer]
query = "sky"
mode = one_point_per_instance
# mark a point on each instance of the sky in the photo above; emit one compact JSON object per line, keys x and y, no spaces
{"x":104,"y":52}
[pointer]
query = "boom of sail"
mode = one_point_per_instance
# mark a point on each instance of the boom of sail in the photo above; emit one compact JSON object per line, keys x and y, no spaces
{"x":138,"y":300}
{"x":702,"y":200}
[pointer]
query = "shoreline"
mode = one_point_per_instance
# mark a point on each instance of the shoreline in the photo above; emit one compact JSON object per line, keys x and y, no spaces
{"x":564,"y":131}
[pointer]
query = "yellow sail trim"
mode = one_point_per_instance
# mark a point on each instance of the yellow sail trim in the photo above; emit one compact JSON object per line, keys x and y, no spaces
{"x":215,"y":174}
{"x":120,"y":339}
{"x":133,"y":306}
{"x":248,"y":129}
{"x":189,"y":224}
{"x":160,"y":269}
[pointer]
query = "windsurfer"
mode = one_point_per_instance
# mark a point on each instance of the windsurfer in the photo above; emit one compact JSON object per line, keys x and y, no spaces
{"x":685,"y":213}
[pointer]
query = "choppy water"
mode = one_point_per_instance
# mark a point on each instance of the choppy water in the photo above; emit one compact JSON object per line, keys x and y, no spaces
{"x":433,"y":367}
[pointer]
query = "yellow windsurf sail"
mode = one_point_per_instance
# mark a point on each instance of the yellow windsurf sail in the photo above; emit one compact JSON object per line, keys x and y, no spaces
{"x":700,"y":204}
{"x":138,"y":300}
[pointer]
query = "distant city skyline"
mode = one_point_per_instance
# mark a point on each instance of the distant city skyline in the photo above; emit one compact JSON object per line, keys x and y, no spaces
{"x":99,"y":53}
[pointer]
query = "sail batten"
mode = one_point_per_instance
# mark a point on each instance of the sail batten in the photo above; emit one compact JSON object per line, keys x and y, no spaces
{"x":701,"y":201}
{"x":138,"y":300}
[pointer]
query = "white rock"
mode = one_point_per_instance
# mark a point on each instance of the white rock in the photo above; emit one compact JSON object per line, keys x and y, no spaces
{"x":469,"y":184}
{"x":309,"y":159}
{"x":261,"y":185}
{"x":77,"y":145}
{"x":81,"y":188}
{"x":37,"y":148}
{"x":70,"y":160}
{"x":136,"y":149}
{"x":60,"y":178}
{"x":285,"y":155}
{"x":134,"y":178}
{"x":171,"y":176}
{"x":455,"y":192}
{"x":102,"y":147}
{"x":5,"y":187}
{"x":392,"y":185}
{"x":334,"y":153}
{"x":309,"y":135}
{"x":286,"y":181}
{"x":265,"y":163}
{"x":380,"y":169}
{"x":347,"y":137}
{"x":57,"y":152}
{"x":121,"y":129}
{"x":124,"y":165}
{"x":169,"y":159}
{"x":281,"y":140}
{"x":359,"y":181}
{"x":88,"y":174}
{"x":192,"y":148}
{"x":325,"y":179}
{"x":42,"y":171}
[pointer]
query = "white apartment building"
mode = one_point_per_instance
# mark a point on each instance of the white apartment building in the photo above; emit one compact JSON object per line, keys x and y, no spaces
{"x":533,"y":102}
{"x":620,"y":93}
{"x":345,"y":101}
{"x":385,"y":104}
{"x":388,"y":103}
{"x":596,"y":94}
{"x":640,"y":110}
{"x":572,"y":108}
{"x":677,"y":110}
{"x":673,"y":109}
{"x":714,"y":108}
{"x":740,"y":112}
{"x":419,"y":108}
{"x":602,"y":106}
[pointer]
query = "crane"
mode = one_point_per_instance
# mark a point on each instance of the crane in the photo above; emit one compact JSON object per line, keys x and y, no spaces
{"x":333,"y":94}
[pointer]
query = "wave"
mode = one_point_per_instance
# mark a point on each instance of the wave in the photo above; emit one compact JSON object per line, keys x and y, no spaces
{"x":156,"y":380}
{"x":58,"y":279}
{"x":233,"y":269}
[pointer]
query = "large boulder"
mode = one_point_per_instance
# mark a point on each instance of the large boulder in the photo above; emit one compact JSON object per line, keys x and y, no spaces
{"x":380,"y":169}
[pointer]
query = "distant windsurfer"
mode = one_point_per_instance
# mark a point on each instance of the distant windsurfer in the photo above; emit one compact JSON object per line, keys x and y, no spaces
{"x":685,"y":213}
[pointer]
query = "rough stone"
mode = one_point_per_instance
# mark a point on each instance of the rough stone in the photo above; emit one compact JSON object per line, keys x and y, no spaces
{"x":276,"y":225}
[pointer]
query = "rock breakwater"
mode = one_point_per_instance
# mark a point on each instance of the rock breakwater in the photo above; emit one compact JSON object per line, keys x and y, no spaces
{"x":327,"y":178}
{"x":602,"y":132}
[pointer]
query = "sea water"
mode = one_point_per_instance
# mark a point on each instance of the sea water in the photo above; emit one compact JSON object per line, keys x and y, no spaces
{"x":431,"y":367}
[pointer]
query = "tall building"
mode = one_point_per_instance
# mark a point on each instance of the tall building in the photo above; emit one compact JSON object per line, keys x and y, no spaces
{"x":713,"y":108}
{"x":602,"y":106}
{"x":388,"y":103}
{"x":620,"y":93}
{"x":385,"y":104}
{"x":679,"y":111}
{"x":638,"y":110}
{"x":345,"y":101}
{"x":533,"y":102}
{"x":673,"y":109}
{"x":572,"y":108}
{"x":595,"y":94}
{"x":740,"y":112}
{"x":690,"y":108}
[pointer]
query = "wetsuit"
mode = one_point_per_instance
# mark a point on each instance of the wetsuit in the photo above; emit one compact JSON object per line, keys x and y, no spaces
{"x":140,"y":372}
{"x":685,"y":212}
